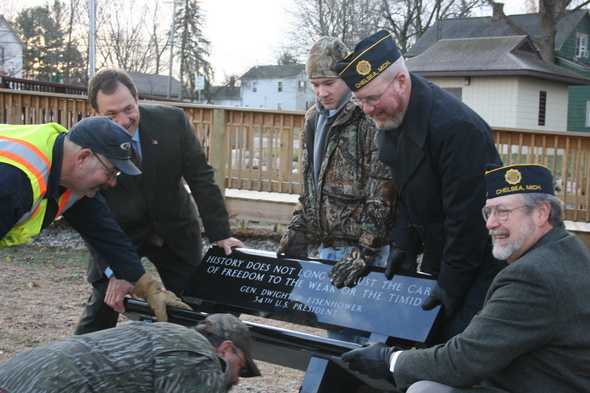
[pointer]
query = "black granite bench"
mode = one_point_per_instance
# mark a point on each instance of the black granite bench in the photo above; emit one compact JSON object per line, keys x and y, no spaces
{"x":258,"y":283}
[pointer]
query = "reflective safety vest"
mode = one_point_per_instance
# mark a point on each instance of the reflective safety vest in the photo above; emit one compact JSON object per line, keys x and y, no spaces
{"x":30,"y":148}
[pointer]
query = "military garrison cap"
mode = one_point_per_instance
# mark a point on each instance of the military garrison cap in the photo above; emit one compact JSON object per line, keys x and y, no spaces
{"x":370,"y":58}
{"x":229,"y":327}
{"x":518,"y":179}
{"x":322,"y":57}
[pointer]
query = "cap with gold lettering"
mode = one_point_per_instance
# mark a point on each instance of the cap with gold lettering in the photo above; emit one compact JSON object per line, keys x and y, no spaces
{"x":518,"y":179}
{"x":370,"y":58}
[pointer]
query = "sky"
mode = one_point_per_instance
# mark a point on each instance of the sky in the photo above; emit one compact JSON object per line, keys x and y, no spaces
{"x":245,"y":33}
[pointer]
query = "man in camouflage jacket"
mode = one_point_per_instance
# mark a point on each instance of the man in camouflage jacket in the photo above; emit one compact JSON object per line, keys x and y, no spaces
{"x":348,"y":194}
{"x":138,"y":357}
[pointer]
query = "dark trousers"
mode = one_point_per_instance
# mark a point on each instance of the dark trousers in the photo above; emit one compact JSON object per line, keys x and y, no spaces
{"x":174,"y":272}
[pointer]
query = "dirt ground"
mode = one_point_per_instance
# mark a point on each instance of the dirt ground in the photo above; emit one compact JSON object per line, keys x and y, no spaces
{"x":43,"y":291}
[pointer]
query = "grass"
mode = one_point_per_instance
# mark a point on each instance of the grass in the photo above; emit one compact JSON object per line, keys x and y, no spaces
{"x":68,"y":261}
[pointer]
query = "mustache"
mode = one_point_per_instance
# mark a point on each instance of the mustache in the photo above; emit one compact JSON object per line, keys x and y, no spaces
{"x":499,"y":232}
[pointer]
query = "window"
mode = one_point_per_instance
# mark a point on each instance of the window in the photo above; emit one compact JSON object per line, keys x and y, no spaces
{"x":279,"y":106}
{"x":542,"y":105}
{"x":588,"y":114}
{"x":301,"y":85}
{"x":254,"y":87}
{"x":456,"y":91}
{"x":1,"y":55}
{"x":582,"y":45}
{"x":280,"y":87}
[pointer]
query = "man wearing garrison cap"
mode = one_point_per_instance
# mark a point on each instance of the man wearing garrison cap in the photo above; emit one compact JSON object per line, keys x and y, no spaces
{"x":437,"y":149}
{"x":532,"y":333}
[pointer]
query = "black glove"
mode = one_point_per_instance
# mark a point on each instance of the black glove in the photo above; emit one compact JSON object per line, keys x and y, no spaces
{"x":439,"y":296}
{"x":293,"y":244}
{"x":351,"y":267}
{"x":400,"y":261}
{"x":372,"y":359}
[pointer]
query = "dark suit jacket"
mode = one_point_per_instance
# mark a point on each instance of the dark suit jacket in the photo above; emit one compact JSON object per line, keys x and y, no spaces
{"x":171,"y":152}
{"x":532,"y":333}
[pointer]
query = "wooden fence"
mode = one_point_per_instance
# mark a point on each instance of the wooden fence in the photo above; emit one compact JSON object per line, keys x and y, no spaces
{"x":259,"y":150}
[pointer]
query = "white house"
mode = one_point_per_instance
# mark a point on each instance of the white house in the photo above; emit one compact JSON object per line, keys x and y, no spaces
{"x":283,"y":87}
{"x":502,"y":78}
{"x":11,"y":51}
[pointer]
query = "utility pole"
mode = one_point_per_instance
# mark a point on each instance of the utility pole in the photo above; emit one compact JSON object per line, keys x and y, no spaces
{"x":92,"y":41}
{"x":172,"y":33}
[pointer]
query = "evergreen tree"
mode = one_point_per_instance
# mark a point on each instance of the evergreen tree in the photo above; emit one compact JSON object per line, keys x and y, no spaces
{"x":47,"y":56}
{"x":193,"y":47}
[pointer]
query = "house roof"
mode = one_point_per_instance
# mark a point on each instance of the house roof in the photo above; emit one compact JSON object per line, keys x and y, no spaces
{"x":453,"y":28}
{"x":225,"y":93}
{"x":513,"y":55}
{"x":274,"y":71}
{"x":10,"y":30}
{"x":155,"y":85}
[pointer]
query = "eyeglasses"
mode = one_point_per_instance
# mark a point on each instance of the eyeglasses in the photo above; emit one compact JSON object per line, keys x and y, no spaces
{"x":110,"y":173}
{"x":374,"y":100}
{"x":243,"y":369}
{"x":498,"y":211}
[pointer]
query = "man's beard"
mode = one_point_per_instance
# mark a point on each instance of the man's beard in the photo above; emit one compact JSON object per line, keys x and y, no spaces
{"x":393,"y":121}
{"x":515,"y":241}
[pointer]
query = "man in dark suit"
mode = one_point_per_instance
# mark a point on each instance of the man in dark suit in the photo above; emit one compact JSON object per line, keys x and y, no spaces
{"x":154,"y":209}
{"x":532,"y":333}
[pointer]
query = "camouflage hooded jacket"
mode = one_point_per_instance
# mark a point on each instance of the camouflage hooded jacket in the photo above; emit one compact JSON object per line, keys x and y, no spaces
{"x":353,"y":204}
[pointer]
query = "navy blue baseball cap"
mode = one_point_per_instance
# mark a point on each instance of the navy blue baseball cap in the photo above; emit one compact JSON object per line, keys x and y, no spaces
{"x":370,"y":58}
{"x":104,"y":136}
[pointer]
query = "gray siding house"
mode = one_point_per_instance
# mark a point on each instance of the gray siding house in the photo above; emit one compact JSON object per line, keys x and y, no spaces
{"x":571,"y":51}
{"x":282,"y":87}
{"x":11,"y":51}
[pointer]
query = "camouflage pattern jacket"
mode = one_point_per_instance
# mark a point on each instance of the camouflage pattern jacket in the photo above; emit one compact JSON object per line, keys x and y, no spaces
{"x":353,"y":204}
{"x":135,"y":357}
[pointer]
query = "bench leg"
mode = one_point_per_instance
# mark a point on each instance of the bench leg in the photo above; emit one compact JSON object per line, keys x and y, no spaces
{"x":323,"y":376}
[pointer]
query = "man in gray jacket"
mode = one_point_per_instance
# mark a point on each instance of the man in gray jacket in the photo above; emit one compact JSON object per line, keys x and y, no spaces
{"x":532,"y":333}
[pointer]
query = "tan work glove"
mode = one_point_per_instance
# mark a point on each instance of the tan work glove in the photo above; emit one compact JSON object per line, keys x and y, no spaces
{"x":351,"y":267}
{"x":157,"y":297}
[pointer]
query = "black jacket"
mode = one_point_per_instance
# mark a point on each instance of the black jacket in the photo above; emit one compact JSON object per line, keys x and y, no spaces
{"x":438,"y":162}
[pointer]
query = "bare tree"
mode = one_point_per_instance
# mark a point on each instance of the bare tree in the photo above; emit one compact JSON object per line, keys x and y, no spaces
{"x":74,"y":63}
{"x":409,"y":19}
{"x":353,"y":20}
{"x":155,"y":31}
{"x":122,"y":41}
{"x":550,"y":13}
{"x":349,"y":20}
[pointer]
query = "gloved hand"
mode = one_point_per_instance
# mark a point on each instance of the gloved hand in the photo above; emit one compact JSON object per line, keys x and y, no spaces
{"x":400,"y":261}
{"x":157,"y":297}
{"x":372,"y":359}
{"x":293,"y":244}
{"x":439,"y":296}
{"x":345,"y":272}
